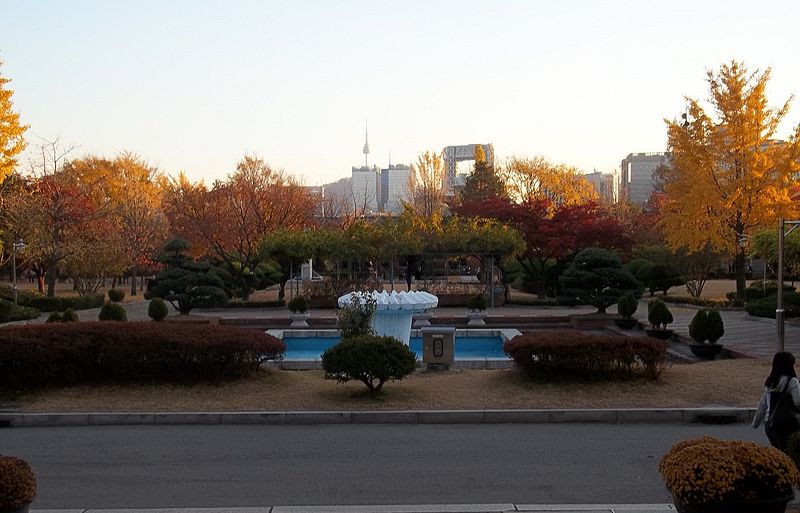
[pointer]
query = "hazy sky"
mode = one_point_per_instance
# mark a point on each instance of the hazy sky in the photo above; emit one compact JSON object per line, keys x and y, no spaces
{"x":194,"y":86}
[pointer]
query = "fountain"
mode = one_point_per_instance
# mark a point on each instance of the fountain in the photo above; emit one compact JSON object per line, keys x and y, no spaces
{"x":394,"y":310}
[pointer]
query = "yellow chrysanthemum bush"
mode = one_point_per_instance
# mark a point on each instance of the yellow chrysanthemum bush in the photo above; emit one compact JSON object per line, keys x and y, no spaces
{"x":707,"y":470}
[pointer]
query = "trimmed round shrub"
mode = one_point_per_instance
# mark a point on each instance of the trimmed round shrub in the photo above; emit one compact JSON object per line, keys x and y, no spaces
{"x":477,"y":302}
{"x":17,"y":483}
{"x":371,"y":359}
{"x":87,"y":353}
{"x":54,"y":317}
{"x":658,"y":315}
{"x":627,"y":305}
{"x":298,"y":304}
{"x":116,"y":295}
{"x":706,"y":325}
{"x":69,"y":316}
{"x":157,"y":309}
{"x":112,"y":312}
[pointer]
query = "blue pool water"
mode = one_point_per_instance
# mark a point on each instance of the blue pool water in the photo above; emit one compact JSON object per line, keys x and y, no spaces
{"x":466,"y":348}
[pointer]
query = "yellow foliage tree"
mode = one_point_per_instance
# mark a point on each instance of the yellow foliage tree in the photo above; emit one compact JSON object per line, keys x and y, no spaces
{"x":12,"y":141}
{"x":529,"y":180}
{"x":427,"y":187}
{"x":729,"y":176}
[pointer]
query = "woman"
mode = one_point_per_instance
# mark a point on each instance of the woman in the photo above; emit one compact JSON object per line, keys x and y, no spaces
{"x":781,"y":383}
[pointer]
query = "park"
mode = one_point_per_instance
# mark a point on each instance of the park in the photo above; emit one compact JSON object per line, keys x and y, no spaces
{"x":470,"y":332}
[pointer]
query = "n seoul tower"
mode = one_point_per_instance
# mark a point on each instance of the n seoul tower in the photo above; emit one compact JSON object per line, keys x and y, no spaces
{"x":366,"y":145}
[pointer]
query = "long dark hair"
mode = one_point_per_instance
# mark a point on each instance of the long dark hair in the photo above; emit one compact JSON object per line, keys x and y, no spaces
{"x":782,"y":365}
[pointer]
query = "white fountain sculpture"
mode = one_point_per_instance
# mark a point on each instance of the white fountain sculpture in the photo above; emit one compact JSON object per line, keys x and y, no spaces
{"x":394,"y":310}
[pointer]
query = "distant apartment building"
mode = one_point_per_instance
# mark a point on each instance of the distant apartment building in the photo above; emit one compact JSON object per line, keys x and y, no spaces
{"x":637,"y":179}
{"x":365,"y":188}
{"x":394,"y":188}
{"x":603,"y":183}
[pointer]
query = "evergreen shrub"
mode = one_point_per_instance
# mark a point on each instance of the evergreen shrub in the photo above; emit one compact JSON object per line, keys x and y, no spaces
{"x":157,"y":309}
{"x":298,"y":304}
{"x":371,"y":359}
{"x":112,"y":312}
{"x":116,"y":295}
{"x":706,"y":325}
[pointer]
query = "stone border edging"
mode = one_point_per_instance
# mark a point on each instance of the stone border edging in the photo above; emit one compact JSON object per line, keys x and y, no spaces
{"x":711,"y":415}
{"x":401,"y":508}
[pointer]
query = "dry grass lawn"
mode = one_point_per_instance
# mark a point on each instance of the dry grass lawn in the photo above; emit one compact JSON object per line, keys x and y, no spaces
{"x":719,"y":383}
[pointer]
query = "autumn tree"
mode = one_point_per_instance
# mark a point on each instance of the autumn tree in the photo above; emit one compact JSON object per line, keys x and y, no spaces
{"x":534,"y":179}
{"x":12,"y":141}
{"x":427,"y":186}
{"x":729,"y":175}
{"x":60,"y":206}
{"x":137,"y":205}
{"x":230,"y":219}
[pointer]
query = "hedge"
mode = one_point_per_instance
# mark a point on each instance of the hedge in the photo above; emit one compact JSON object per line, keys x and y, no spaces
{"x":766,"y":307}
{"x":76,"y":353}
{"x":559,"y":355}
{"x":53,"y":304}
{"x":9,"y":312}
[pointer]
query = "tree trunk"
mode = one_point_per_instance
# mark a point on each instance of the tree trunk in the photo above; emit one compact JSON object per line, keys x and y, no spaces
{"x":133,"y":281}
{"x":51,"y":279}
{"x":741,"y":284}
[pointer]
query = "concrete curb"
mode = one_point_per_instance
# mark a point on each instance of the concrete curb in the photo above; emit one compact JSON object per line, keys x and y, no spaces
{"x":711,"y":415}
{"x":402,"y":508}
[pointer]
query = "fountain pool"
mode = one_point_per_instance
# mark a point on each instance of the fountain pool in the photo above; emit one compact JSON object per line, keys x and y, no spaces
{"x":476,"y":348}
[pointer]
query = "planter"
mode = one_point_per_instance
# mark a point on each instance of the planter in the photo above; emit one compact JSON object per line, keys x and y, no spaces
{"x":626,"y":323}
{"x":299,"y":320}
{"x":706,"y":351}
{"x":476,"y":318}
{"x":659,"y":334}
{"x":764,"y":506}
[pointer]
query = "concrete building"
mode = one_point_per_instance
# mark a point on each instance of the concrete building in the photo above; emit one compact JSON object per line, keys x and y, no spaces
{"x":637,"y":176}
{"x":454,"y":154}
{"x":603,"y":183}
{"x":394,"y":188}
{"x":365,"y":188}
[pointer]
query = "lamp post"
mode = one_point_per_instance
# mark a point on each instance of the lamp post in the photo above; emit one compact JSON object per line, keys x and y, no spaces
{"x":18,"y":245}
{"x":779,"y":312}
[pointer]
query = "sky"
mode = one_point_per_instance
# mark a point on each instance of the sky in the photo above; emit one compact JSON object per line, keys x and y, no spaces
{"x":195,"y":85}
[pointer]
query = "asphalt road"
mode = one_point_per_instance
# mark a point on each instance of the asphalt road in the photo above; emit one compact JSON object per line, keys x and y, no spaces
{"x":219,"y":466}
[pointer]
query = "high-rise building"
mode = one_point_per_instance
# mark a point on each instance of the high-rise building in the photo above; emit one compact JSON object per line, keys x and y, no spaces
{"x":637,"y":179}
{"x":603,"y":183}
{"x":366,"y":193}
{"x":394,"y":187}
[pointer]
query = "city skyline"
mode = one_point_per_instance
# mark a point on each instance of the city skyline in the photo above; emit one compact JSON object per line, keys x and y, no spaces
{"x":194,"y":86}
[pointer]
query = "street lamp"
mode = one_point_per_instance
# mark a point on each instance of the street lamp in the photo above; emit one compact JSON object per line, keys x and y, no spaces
{"x":779,"y":312}
{"x":18,"y":245}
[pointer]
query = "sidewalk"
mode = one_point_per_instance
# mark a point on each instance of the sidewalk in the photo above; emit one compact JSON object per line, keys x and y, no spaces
{"x":404,"y":508}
